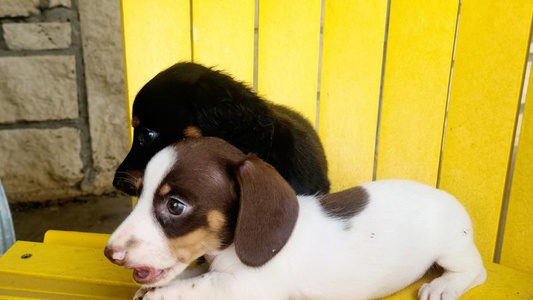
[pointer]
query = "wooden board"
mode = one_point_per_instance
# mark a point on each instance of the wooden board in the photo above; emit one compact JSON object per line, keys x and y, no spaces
{"x":518,"y":237}
{"x":45,"y":275}
{"x":350,"y":87}
{"x":53,"y":271}
{"x":156,"y":36}
{"x":417,"y":72}
{"x":289,"y":36}
{"x":492,"y":44}
{"x":223,"y":36}
{"x":502,"y":283}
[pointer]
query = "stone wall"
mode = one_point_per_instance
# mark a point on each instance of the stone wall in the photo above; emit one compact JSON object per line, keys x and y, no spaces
{"x":63,"y":121}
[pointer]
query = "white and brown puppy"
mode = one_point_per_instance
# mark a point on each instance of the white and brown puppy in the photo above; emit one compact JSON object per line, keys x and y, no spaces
{"x":204,"y":197}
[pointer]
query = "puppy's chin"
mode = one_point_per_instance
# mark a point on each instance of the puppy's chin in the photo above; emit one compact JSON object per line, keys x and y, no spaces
{"x":149,"y":276}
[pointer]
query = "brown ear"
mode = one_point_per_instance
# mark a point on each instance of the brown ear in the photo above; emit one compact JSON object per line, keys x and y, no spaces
{"x":267,"y":215}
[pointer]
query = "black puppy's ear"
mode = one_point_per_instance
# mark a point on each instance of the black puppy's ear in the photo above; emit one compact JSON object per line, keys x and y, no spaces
{"x":267,"y":215}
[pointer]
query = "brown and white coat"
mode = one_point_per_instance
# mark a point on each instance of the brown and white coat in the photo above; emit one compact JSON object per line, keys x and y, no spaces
{"x":204,"y":197}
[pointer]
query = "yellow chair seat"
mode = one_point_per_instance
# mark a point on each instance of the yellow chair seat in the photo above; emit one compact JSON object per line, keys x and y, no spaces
{"x":67,"y":265}
{"x":71,"y":265}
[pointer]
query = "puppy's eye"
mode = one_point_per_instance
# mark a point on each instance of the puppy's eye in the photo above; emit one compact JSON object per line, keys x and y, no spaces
{"x":176,"y":207}
{"x":146,"y":136}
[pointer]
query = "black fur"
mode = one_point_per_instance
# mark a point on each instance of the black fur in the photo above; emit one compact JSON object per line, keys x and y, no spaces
{"x":189,"y":94}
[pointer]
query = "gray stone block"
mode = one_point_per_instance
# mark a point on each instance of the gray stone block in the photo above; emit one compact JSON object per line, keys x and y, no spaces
{"x":56,"y":3}
{"x":40,"y":164}
{"x":101,"y":35}
{"x":37,"y":36}
{"x":37,"y":88}
{"x":18,"y":8}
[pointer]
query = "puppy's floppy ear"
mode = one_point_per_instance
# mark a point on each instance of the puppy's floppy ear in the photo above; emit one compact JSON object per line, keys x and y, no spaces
{"x":267,"y":215}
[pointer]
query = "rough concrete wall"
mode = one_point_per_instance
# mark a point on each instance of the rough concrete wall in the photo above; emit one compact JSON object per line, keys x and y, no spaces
{"x":63,"y":123}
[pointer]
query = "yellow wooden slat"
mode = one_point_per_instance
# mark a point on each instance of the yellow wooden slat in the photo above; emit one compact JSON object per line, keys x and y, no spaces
{"x":417,"y":71}
{"x":502,"y":283}
{"x":33,"y":278}
{"x":518,"y":237}
{"x":289,"y":35}
{"x":223,"y":36}
{"x":49,"y":271}
{"x":76,"y":239}
{"x":350,"y":87}
{"x":490,"y":57}
{"x":156,"y":36}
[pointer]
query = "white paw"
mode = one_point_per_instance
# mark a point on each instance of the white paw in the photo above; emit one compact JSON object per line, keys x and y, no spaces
{"x":140,"y":293}
{"x":159,"y":293}
{"x":437,"y":291}
{"x":152,"y":294}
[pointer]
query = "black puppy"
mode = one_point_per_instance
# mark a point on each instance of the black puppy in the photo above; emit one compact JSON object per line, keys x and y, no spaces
{"x":190,"y":99}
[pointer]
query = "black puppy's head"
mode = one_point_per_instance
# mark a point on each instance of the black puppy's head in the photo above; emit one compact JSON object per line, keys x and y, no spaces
{"x":190,"y":99}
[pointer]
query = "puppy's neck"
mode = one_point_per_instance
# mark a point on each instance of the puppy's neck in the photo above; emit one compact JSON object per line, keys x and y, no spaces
{"x":225,"y":260}
{"x":312,"y":222}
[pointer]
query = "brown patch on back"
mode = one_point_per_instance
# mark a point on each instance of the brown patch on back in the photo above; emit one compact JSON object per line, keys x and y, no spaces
{"x":345,"y":204}
{"x":192,"y":131}
{"x":135,"y":122}
{"x":164,"y":190}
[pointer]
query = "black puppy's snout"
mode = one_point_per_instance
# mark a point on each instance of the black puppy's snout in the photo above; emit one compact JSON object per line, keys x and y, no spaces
{"x":125,"y":186}
{"x":128,"y":181}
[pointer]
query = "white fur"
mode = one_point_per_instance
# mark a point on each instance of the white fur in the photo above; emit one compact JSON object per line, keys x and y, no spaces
{"x":403,"y":230}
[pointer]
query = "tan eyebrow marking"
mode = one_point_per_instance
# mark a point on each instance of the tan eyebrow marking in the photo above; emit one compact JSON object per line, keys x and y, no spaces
{"x":138,"y":183}
{"x":164,"y":190}
{"x":135,"y":122}
{"x":192,"y":131}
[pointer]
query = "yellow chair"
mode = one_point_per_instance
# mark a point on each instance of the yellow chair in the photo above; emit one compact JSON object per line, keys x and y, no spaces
{"x":428,"y":90}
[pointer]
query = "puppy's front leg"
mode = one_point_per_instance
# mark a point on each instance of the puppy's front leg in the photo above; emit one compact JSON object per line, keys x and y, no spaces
{"x":194,"y":271}
{"x":213,"y":285}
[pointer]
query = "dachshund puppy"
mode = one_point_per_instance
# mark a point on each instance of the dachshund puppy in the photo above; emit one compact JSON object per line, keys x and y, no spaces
{"x":202,"y":196}
{"x":190,"y":99}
